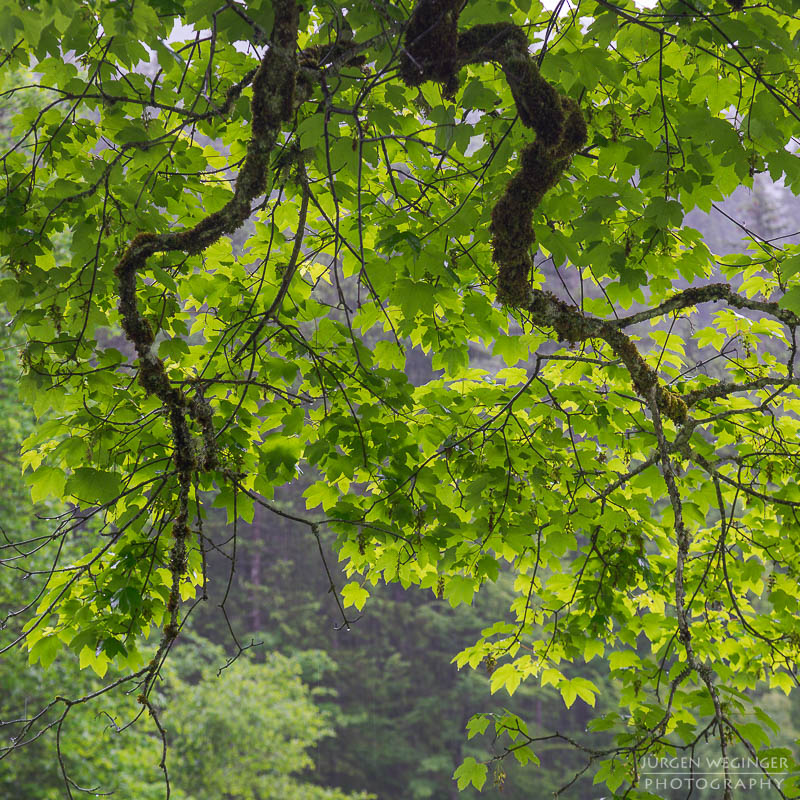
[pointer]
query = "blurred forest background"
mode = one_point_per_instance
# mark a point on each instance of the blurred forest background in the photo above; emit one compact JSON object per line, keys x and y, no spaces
{"x":308,"y":709}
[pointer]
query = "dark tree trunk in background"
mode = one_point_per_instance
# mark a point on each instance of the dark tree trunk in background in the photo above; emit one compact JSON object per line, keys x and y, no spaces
{"x":257,"y":545}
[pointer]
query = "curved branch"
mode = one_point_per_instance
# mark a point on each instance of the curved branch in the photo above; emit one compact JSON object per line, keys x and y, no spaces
{"x":272,"y":105}
{"x":572,"y":326}
{"x":436,"y":51}
{"x":709,"y":294}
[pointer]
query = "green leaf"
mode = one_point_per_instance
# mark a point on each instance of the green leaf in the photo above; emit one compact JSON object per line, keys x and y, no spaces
{"x":623,"y":659}
{"x":477,"y":725}
{"x":791,"y":300}
{"x":45,"y":651}
{"x":353,"y":594}
{"x":47,"y":482}
{"x":459,"y":589}
{"x":470,"y":772}
{"x":506,"y":677}
{"x":94,"y":486}
{"x":568,"y":692}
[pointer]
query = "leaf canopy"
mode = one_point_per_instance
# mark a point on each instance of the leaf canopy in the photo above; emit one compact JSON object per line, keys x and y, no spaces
{"x":228,"y":231}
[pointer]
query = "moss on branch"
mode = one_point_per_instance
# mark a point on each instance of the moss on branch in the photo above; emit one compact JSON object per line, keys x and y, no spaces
{"x":434,"y":51}
{"x":572,"y":326}
{"x":561,"y":131}
{"x":273,"y":86}
{"x":431,"y":45}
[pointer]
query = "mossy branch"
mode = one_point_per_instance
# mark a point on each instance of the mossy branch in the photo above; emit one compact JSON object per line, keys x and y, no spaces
{"x":708,"y":294}
{"x":572,"y":326}
{"x":272,"y":105}
{"x":435,"y":51}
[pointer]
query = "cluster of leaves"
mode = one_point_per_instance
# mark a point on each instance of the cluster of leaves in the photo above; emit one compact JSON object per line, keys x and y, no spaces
{"x":646,"y":509}
{"x":242,"y":749}
{"x":401,"y":706}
